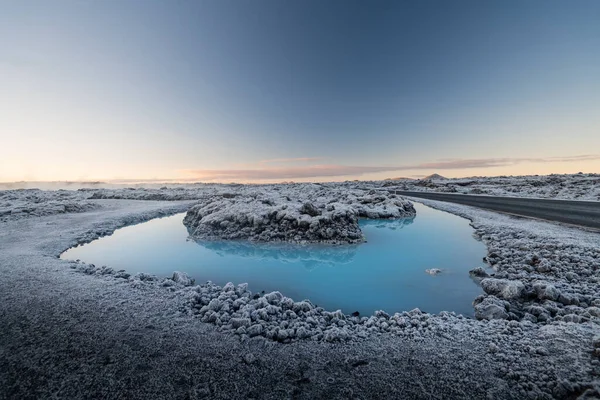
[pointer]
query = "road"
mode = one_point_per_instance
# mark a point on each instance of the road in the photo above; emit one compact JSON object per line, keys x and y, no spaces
{"x":581,"y":213}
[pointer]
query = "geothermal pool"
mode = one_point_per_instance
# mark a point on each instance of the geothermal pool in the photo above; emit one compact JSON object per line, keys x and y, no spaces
{"x":386,"y":273}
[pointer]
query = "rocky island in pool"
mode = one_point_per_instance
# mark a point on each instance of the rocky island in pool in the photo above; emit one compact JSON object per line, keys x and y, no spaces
{"x":294,"y":213}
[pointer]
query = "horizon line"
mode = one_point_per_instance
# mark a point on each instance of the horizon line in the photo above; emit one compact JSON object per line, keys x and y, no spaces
{"x":188,"y":181}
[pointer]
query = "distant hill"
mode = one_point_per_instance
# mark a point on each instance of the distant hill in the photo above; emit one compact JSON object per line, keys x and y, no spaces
{"x":400,"y":178}
{"x":434,"y":176}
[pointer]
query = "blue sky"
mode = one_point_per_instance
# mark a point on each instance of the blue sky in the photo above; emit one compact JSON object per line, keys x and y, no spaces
{"x":297,"y":90}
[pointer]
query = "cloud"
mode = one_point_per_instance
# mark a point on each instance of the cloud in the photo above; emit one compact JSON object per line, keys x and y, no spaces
{"x":310,"y":171}
{"x":585,"y":157}
{"x":316,"y":171}
{"x":289,"y":160}
{"x":499,"y":162}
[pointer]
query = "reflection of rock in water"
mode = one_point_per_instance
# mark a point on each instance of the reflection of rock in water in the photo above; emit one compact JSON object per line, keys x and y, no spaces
{"x":311,"y":256}
{"x":393,"y":224}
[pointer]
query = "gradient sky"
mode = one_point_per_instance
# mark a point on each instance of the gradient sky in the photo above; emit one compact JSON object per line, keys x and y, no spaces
{"x":297,"y":90}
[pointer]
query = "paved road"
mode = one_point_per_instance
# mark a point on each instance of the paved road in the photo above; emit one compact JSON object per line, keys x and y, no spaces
{"x":582,"y":213}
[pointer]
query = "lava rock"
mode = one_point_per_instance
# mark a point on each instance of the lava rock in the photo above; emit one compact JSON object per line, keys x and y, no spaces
{"x":479,"y":272}
{"x":491,"y":308}
{"x":182,"y":278}
{"x":503,"y":288}
{"x":433,"y":271}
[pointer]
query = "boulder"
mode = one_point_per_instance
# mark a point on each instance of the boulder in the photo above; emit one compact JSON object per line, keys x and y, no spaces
{"x":546,"y":291}
{"x":273,"y":297}
{"x":182,"y":278}
{"x":433,"y":271}
{"x":491,"y":308}
{"x":503,"y":288}
{"x":255,"y":330}
{"x":240,"y":322}
{"x":479,"y":272}
{"x":309,"y":209}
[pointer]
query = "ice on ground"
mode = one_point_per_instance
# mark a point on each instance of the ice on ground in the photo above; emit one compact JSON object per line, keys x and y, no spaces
{"x":503,"y":288}
{"x":301,"y":214}
{"x":567,"y":187}
{"x":543,"y":344}
{"x":25,"y":203}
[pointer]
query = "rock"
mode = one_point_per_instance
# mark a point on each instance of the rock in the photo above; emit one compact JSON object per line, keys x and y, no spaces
{"x":567,"y":299}
{"x":572,"y":318}
{"x":542,"y":351}
{"x":255,"y":330}
{"x":594,"y":311}
{"x":168,"y":282}
{"x":433,"y":271}
{"x":546,"y":291}
{"x":572,"y":276}
{"x":215,"y":305}
{"x":309,"y":209}
{"x":479,"y":272}
{"x":143,"y":277}
{"x":533,"y":260}
{"x":493,"y":258}
{"x":287,"y":304}
{"x":249,"y":358}
{"x":273,"y":297}
{"x":302,"y":333}
{"x":122,"y":274}
{"x":302,"y":306}
{"x":182,"y":278}
{"x":530,"y":318}
{"x":536,"y":310}
{"x":241,"y":330}
{"x":491,"y":308}
{"x":284,"y":334}
{"x":503,"y":288}
{"x":229,"y":287}
{"x":335,"y":334}
{"x":240,"y":322}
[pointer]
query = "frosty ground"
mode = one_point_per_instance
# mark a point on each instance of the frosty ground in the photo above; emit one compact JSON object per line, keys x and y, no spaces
{"x":71,"y":330}
{"x":566,"y":186}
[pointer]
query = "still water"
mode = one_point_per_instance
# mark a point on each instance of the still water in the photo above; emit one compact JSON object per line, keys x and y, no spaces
{"x":386,"y":273}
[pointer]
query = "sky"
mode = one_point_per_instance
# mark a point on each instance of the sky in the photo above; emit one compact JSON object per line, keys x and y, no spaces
{"x":253,"y":91}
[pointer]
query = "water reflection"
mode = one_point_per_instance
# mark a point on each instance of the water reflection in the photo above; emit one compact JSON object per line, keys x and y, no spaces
{"x":393,"y":224}
{"x":310,"y":256}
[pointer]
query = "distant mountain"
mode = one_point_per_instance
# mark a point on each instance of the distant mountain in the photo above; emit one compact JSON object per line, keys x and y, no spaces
{"x":400,"y":178}
{"x":434,"y":176}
